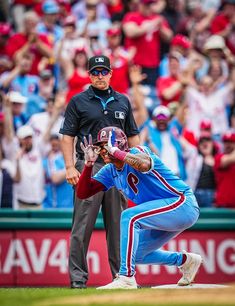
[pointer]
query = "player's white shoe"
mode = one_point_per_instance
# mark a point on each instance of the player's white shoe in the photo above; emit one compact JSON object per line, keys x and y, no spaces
{"x":121,"y":282}
{"x":190,"y":268}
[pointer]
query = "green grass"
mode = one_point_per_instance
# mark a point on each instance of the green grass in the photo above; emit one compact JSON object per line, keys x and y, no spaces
{"x":31,"y":296}
{"x":91,"y":296}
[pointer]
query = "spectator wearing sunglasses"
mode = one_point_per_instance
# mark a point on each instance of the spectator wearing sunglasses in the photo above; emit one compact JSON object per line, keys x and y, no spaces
{"x":88,"y":112}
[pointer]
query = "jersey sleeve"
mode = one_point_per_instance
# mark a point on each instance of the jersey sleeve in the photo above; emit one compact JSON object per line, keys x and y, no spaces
{"x":105,"y":176}
{"x":87,"y":186}
{"x":71,"y":119}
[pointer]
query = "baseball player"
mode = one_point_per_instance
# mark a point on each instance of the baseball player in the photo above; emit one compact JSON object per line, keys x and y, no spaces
{"x":165,"y":205}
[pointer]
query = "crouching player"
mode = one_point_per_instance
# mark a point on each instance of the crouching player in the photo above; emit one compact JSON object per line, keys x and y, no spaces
{"x":165,"y":205}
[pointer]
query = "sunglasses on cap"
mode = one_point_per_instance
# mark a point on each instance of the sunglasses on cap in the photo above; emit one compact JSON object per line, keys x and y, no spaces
{"x":95,"y":72}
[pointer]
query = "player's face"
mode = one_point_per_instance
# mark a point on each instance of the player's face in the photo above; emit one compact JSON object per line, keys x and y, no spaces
{"x":105,"y":155}
{"x":109,"y":158}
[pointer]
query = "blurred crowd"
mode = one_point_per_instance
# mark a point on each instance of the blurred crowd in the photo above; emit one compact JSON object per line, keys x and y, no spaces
{"x":175,"y":59}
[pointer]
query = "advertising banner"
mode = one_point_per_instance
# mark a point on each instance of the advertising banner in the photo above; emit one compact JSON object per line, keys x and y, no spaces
{"x":40,"y":258}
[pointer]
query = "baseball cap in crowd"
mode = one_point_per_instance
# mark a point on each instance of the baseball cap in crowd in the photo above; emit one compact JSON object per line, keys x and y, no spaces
{"x":214,"y":42}
{"x":81,"y":49}
{"x":70,"y":20}
{"x":161,"y":112}
{"x":17,"y":97}
{"x":45,"y":74}
{"x":181,"y":41}
{"x":229,"y":136}
{"x":24,"y":131}
{"x":113,"y":32}
{"x":50,"y":7}
{"x":205,"y":124}
{"x":99,"y":61}
{"x":5,"y":28}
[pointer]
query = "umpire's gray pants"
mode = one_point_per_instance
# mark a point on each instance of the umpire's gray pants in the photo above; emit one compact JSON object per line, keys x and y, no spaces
{"x":84,"y":218}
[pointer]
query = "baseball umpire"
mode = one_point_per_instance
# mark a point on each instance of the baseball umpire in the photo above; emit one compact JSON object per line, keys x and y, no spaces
{"x":87,"y":113}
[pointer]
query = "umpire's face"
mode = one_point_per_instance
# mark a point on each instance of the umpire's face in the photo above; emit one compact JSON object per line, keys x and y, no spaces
{"x":101,"y":78}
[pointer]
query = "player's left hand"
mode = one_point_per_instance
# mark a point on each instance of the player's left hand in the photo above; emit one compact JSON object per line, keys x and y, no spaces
{"x":90,"y":151}
{"x":110,"y":145}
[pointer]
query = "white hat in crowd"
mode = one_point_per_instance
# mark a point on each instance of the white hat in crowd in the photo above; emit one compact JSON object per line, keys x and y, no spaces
{"x":17,"y":97}
{"x":214,"y":42}
{"x":161,"y":112}
{"x":24,"y":131}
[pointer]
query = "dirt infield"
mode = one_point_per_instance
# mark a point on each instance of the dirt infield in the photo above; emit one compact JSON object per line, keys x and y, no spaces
{"x":218,"y":296}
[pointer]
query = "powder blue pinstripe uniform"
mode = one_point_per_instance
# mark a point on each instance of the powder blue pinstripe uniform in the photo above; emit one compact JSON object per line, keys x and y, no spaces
{"x":165,"y":207}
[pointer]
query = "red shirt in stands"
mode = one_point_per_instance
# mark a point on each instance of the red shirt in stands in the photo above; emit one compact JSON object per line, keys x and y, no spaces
{"x":225,"y":193}
{"x":161,"y":84}
{"x":119,"y":80}
{"x":76,"y":84}
{"x":219,"y":24}
{"x":18,"y":40}
{"x":148,"y":45}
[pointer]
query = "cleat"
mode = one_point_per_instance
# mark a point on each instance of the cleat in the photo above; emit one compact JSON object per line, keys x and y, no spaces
{"x":78,"y":285}
{"x":190,"y":268}
{"x":121,"y":282}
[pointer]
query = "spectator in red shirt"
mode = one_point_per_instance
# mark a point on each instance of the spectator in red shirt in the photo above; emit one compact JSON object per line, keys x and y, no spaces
{"x":30,"y":41}
{"x":144,"y":30}
{"x":223,"y":24}
{"x":119,"y":58}
{"x":170,"y":88}
{"x":75,"y":72}
{"x":225,"y":173}
{"x":5,"y":31}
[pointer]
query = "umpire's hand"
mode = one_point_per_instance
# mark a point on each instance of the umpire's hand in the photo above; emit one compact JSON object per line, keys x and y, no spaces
{"x":72,"y":175}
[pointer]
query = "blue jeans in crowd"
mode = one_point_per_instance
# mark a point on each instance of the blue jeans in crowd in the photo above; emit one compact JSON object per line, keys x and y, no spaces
{"x":205,"y":197}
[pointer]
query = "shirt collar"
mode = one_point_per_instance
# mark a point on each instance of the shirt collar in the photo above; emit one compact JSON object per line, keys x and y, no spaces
{"x":91,"y":93}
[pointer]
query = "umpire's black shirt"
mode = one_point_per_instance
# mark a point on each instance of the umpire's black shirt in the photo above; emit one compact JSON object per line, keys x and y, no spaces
{"x":91,"y":110}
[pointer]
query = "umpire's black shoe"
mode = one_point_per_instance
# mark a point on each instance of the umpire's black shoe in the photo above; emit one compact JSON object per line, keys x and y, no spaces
{"x":78,"y":285}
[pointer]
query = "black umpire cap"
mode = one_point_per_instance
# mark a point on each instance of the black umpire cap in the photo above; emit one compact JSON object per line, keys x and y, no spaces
{"x":99,"y":61}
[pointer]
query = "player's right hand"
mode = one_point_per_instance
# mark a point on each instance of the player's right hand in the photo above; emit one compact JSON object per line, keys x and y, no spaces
{"x":72,"y":175}
{"x":90,"y":151}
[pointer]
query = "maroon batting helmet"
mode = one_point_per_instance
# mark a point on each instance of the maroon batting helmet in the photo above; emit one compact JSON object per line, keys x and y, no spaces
{"x":118,"y":138}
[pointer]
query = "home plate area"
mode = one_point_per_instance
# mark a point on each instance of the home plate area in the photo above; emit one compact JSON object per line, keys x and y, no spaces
{"x":193,"y":286}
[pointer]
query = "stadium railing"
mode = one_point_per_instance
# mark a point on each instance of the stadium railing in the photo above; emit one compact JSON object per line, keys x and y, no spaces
{"x":210,"y":219}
